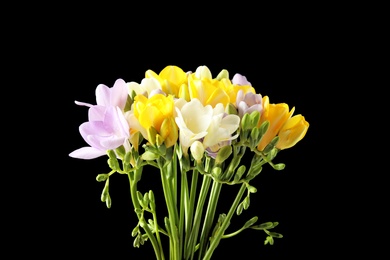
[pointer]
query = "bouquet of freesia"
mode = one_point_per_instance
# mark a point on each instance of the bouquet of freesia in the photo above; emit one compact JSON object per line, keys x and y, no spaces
{"x":195,"y":129}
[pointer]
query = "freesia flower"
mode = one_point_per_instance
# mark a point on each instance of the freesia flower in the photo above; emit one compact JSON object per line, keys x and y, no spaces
{"x":107,"y":127}
{"x":277,"y":115}
{"x":106,"y":130}
{"x":292,"y":132}
{"x":209,"y":91}
{"x":193,"y":120}
{"x":171,"y":79}
{"x":157,"y":112}
{"x":249,"y":102}
{"x":220,"y":131}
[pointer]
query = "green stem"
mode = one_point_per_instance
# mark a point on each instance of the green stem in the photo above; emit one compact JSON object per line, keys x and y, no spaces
{"x":184,"y":199}
{"x":209,"y":218}
{"x":172,"y":210}
{"x":218,"y":235}
{"x":189,"y":209}
{"x":198,"y":215}
{"x":157,"y":246}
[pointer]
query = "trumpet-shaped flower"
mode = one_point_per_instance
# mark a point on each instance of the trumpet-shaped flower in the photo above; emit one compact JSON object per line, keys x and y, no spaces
{"x":157,"y":112}
{"x":171,"y":79}
{"x":193,"y":120}
{"x":220,"y":131}
{"x":106,"y":130}
{"x":107,"y":127}
{"x":277,"y":115}
{"x":292,"y":132}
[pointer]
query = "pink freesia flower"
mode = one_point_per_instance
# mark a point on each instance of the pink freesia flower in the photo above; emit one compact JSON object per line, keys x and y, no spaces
{"x":107,"y":127}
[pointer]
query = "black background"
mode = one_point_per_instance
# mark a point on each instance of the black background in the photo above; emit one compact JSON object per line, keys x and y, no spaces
{"x":289,"y":58}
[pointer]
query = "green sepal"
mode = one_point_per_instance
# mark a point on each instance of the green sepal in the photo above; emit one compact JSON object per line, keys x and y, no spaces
{"x":149,"y":156}
{"x":121,"y":151}
{"x":127,"y":158}
{"x":152,"y":132}
{"x":216,"y":172}
{"x":129,"y":101}
{"x":231,"y":109}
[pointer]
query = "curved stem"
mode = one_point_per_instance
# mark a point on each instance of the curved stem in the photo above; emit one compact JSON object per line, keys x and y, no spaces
{"x":158,"y":250}
{"x":218,"y":235}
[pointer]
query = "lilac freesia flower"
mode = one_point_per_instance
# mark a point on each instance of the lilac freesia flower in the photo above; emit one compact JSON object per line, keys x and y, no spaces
{"x":107,"y":127}
{"x":241,"y":80}
{"x":247,"y":103}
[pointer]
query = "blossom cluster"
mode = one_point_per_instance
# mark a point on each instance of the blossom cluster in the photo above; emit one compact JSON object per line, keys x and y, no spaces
{"x":200,"y":112}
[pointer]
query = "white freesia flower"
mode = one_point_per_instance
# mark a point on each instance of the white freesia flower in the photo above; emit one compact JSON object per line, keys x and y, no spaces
{"x":221,"y":129}
{"x":193,"y":120}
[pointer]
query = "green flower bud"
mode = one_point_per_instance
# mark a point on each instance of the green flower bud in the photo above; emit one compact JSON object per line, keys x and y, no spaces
{"x":223,"y":154}
{"x":102,"y":177}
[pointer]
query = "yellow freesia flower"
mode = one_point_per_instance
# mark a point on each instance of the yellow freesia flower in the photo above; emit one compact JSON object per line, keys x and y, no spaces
{"x":157,"y":112}
{"x":292,"y":132}
{"x":171,"y":79}
{"x":208,"y":91}
{"x":277,"y":115}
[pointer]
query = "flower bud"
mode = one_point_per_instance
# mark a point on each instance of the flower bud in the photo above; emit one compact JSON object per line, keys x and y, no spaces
{"x":197,"y":150}
{"x":292,"y":132}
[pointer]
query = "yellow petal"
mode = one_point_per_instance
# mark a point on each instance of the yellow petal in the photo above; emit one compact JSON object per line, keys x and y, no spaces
{"x":292,"y":132}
